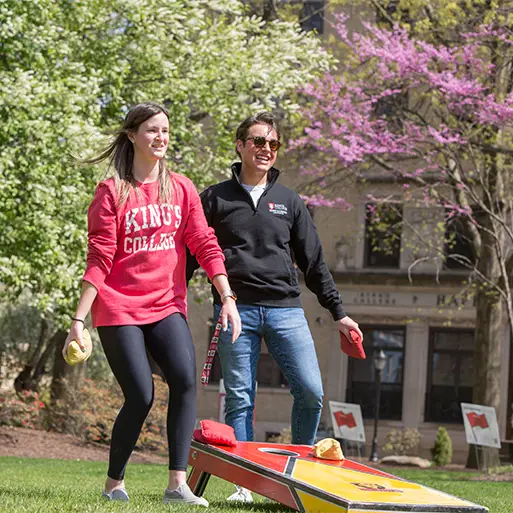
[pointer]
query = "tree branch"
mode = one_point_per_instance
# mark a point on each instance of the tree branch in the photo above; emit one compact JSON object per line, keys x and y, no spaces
{"x":383,"y":12}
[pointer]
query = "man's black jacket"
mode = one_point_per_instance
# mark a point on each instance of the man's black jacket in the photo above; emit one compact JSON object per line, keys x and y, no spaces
{"x":261,"y":243}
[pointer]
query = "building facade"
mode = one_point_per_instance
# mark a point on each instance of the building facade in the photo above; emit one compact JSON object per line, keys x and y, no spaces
{"x":421,"y":316}
{"x":409,"y":300}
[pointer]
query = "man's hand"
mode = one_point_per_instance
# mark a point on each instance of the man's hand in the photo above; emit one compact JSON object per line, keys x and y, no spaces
{"x":229,"y":313}
{"x":346,"y":324}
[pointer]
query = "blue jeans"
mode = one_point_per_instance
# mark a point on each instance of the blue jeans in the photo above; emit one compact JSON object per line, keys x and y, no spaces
{"x":289,"y":341}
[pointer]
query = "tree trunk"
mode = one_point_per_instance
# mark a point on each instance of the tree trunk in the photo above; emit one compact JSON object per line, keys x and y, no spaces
{"x":64,"y":375}
{"x":26,"y":380}
{"x":487,"y":362}
{"x":270,"y":12}
{"x":41,"y":364}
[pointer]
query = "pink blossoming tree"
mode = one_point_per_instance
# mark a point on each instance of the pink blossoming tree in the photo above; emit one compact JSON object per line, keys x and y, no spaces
{"x":435,"y":118}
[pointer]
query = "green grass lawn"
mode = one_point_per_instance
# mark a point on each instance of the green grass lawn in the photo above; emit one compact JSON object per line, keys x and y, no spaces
{"x":59,"y":486}
{"x":496,"y":496}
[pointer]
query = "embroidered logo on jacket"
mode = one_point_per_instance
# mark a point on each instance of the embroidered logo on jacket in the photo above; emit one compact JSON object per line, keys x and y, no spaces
{"x":277,"y":208}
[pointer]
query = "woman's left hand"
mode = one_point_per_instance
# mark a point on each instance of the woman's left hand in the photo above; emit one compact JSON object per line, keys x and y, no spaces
{"x":230,"y":314}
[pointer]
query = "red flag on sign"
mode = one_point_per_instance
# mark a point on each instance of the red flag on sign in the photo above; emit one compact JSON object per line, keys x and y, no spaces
{"x":477,"y":420}
{"x":345,"y":419}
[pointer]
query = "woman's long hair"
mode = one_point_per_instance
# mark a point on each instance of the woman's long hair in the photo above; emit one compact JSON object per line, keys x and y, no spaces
{"x":120,"y":155}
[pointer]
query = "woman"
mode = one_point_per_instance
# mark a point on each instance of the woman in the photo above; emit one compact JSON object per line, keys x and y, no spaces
{"x":139,"y":224}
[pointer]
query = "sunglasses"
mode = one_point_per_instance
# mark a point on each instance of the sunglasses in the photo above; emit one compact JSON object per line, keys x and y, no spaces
{"x":259,"y":141}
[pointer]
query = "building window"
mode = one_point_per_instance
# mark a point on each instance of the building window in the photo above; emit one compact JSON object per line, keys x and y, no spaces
{"x":459,"y":252}
{"x":393,"y":10}
{"x":450,"y":374}
{"x":361,"y":387}
{"x":312,"y":16}
{"x":268,"y":372}
{"x":391,"y":109}
{"x":383,"y":235}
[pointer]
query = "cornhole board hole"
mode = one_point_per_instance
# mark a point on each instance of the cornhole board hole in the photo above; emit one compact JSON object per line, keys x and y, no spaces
{"x":290,"y":474}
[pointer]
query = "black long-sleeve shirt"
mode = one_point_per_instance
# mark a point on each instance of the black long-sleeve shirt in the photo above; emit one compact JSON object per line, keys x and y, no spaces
{"x":261,"y":243}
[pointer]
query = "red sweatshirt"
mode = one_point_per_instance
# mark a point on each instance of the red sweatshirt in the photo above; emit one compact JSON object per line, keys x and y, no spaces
{"x":137,"y":252}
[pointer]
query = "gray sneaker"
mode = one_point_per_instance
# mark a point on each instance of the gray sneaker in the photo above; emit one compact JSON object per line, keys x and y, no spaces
{"x":116,"y":495}
{"x":183,"y":495}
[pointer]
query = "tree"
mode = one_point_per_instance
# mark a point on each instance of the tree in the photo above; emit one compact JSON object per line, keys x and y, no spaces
{"x":435,"y":118}
{"x":69,"y":70}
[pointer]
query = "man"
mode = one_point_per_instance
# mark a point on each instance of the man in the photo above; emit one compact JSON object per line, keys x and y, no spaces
{"x":263,"y":227}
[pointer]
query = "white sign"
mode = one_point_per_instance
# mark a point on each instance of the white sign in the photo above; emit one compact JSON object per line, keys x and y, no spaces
{"x":347,"y":422}
{"x":481,"y":425}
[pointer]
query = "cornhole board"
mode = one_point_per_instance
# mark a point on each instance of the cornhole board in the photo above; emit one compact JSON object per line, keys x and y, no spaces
{"x":290,"y":474}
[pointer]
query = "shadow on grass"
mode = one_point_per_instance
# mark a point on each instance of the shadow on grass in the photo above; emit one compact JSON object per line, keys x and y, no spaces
{"x":254,"y":506}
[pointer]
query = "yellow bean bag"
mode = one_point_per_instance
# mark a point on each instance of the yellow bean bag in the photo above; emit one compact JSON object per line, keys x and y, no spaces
{"x":74,"y":354}
{"x":328,"y":449}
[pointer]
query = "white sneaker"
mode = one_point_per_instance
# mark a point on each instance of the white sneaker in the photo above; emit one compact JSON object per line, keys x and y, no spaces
{"x":116,"y":495}
{"x":241,"y":495}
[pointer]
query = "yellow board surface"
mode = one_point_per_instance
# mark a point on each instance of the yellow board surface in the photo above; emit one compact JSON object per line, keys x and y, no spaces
{"x":366,"y":488}
{"x":313,"y":504}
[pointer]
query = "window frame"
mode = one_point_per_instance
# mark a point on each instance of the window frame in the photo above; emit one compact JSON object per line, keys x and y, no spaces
{"x":307,"y":20}
{"x":368,"y":411}
{"x":277,"y":379}
{"x":460,"y":241}
{"x":368,"y":251}
{"x":428,"y":408}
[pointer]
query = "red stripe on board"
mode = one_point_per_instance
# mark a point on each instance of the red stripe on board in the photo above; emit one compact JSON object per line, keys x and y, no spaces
{"x":250,"y":451}
{"x":234,"y":473}
{"x":194,"y":476}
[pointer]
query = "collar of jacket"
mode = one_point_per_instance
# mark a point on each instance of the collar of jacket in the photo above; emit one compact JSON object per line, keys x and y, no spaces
{"x":272,"y":174}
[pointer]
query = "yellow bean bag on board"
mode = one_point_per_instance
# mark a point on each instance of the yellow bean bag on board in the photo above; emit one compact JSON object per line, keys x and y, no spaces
{"x":328,"y":449}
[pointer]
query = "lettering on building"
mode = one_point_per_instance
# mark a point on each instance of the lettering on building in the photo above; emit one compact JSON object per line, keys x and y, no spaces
{"x":374,"y":298}
{"x":416,"y":299}
{"x":455,"y":301}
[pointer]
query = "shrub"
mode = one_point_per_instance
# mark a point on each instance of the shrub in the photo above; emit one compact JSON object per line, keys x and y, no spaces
{"x":285,"y":437}
{"x":90,"y":411}
{"x":501,"y":469}
{"x":21,"y":326}
{"x":402,"y":441}
{"x":87,"y":411}
{"x":97,"y":367}
{"x":21,"y":410}
{"x":442,"y":450}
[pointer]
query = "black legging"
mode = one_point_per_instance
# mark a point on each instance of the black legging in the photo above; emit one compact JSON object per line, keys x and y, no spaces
{"x":169,"y":342}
